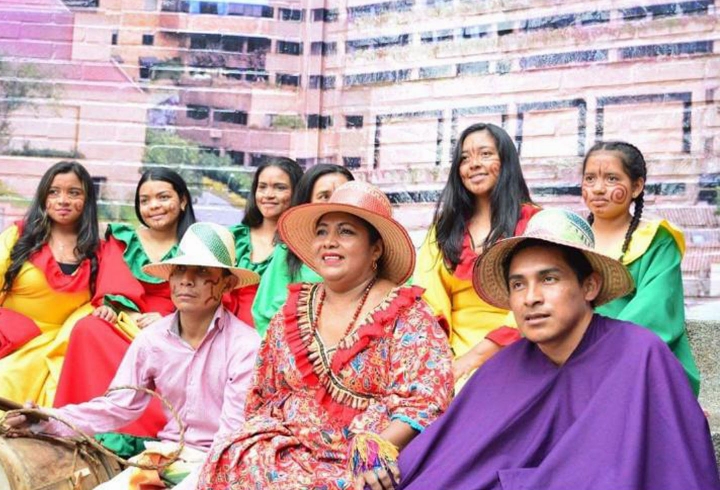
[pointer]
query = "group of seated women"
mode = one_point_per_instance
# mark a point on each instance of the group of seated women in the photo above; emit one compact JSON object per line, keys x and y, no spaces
{"x":376,"y":348}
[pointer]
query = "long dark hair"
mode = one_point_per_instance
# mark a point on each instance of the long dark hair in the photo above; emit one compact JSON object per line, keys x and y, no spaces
{"x":457,"y":205}
{"x":635,"y":167}
{"x":303,"y":195}
{"x":187,"y":215}
{"x":253,"y":217}
{"x":37,"y":225}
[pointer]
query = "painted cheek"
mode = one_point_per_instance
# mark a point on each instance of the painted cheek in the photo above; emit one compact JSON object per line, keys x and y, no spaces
{"x":619,"y":194}
{"x":215,"y":290}
{"x":494,"y":169}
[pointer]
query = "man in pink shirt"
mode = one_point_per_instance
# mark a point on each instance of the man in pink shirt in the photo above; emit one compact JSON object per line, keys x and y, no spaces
{"x":200,"y":358}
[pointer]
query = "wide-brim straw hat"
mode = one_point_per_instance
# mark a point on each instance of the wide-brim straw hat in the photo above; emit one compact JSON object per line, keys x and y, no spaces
{"x":556,"y":226}
{"x":205,"y":245}
{"x":297,"y":227}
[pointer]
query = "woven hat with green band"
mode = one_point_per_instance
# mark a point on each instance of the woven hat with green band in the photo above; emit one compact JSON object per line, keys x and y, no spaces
{"x":205,"y":245}
{"x":555,"y":226}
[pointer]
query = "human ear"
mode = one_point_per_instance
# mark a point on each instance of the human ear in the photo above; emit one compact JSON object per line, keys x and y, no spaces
{"x":378,"y":250}
{"x":230,"y":283}
{"x":637,"y":187}
{"x":591,"y":286}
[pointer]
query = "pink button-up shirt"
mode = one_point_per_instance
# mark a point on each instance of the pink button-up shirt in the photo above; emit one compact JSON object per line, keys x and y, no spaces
{"x":207,"y":385}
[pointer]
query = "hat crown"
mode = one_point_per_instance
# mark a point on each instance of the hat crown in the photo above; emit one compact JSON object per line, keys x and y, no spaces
{"x":362,"y":195}
{"x":208,"y":241}
{"x":563,"y":225}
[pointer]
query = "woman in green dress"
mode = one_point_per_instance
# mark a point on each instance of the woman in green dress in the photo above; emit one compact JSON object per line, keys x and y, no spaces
{"x":613,"y":181}
{"x":270,"y":195}
{"x":316,"y":185}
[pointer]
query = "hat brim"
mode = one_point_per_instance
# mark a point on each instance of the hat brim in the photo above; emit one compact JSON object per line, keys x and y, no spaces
{"x":490,"y":284}
{"x":162,"y":270}
{"x":297,"y":230}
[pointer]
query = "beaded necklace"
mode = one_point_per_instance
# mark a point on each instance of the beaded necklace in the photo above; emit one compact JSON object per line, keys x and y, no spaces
{"x":363,"y":299}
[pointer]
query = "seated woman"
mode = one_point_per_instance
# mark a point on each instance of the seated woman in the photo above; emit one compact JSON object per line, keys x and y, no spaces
{"x":316,"y":185}
{"x":54,"y":272}
{"x":163,"y":206}
{"x":351,"y":369}
{"x":485,"y":199}
{"x":270,"y":194}
{"x":614,"y":176}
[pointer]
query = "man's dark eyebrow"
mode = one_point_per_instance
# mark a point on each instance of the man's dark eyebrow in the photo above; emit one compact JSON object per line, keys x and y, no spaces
{"x":543,"y":272}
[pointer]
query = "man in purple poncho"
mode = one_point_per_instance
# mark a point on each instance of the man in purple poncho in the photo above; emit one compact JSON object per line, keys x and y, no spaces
{"x":582,"y":402}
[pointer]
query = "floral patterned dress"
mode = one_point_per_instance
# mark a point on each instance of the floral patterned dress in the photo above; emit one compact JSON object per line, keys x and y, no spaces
{"x":308,"y":400}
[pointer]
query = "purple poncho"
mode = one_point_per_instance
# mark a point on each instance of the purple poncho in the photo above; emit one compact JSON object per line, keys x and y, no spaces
{"x":618,"y":415}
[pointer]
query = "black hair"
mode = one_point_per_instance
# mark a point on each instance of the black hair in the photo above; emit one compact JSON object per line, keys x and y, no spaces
{"x":575,"y":259}
{"x":303,"y":195}
{"x":37,"y":225}
{"x":253,"y":217}
{"x":457,"y":205}
{"x":635,"y":167}
{"x":187,"y":215}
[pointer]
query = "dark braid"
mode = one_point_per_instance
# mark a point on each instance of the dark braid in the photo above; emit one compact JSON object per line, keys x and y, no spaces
{"x":637,"y":214}
{"x":635,"y":167}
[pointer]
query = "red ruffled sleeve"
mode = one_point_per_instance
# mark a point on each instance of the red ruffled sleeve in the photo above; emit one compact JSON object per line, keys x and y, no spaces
{"x":114,"y":278}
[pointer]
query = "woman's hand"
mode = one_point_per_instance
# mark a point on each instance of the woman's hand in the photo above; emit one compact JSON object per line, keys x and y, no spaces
{"x":378,"y":479}
{"x":106,"y":313}
{"x":147,"y":319}
{"x":474,"y":358}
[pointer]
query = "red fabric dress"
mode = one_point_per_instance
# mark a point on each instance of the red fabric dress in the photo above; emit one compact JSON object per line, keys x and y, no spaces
{"x":96,"y":347}
{"x":308,"y":400}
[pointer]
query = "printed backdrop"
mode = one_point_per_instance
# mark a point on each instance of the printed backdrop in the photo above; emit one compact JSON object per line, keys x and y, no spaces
{"x":215,"y":87}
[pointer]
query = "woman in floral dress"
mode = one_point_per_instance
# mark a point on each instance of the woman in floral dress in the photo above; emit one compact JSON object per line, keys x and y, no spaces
{"x":352,"y":367}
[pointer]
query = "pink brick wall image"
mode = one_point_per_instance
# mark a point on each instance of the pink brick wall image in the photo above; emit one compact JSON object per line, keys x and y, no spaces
{"x":383,"y":87}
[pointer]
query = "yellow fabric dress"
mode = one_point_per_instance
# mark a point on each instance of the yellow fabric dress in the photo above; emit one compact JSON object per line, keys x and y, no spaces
{"x":32,"y":371}
{"x":469,"y":318}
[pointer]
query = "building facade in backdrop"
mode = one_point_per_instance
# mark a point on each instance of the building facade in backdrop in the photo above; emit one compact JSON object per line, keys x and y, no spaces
{"x":384,"y":88}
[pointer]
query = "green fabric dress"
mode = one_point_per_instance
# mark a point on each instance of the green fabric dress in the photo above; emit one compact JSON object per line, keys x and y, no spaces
{"x":273,"y":292}
{"x":243,"y":250}
{"x":657,"y":301}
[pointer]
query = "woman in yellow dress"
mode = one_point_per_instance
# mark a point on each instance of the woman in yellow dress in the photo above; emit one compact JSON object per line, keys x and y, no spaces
{"x":485,"y":199}
{"x":54,"y":270}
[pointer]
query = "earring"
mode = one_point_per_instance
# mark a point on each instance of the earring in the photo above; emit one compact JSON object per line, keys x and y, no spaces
{"x":374,"y":265}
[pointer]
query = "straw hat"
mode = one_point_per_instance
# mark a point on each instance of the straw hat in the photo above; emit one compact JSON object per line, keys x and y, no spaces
{"x":297,"y":227}
{"x":556,"y":226}
{"x":205,"y":245}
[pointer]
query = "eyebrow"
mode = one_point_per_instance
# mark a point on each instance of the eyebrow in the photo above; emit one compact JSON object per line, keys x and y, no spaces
{"x":543,"y":272}
{"x":342,"y":223}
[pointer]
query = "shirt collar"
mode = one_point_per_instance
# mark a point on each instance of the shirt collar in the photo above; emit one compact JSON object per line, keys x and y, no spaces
{"x":218,"y":321}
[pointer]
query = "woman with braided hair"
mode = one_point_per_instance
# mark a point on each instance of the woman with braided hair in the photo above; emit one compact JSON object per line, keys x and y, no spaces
{"x":614,"y":176}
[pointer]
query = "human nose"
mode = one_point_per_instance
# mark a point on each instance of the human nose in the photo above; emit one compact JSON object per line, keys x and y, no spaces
{"x":330,"y":239}
{"x":63,"y":198}
{"x":187,"y":277}
{"x":533,"y":295}
{"x":598,"y":186}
